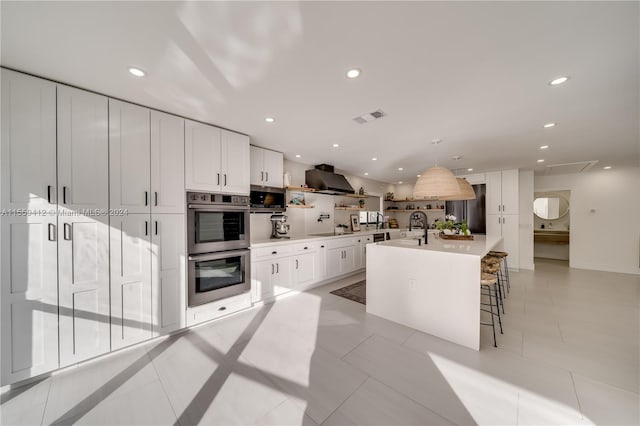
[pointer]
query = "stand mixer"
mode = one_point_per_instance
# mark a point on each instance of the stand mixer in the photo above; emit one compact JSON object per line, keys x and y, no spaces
{"x":279,"y":227}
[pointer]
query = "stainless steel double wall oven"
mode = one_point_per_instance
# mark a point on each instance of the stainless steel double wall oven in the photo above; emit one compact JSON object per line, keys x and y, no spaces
{"x":218,"y":246}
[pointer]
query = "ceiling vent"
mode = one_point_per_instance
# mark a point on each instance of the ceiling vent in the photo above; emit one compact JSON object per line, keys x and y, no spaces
{"x":369,"y":117}
{"x":566,"y":168}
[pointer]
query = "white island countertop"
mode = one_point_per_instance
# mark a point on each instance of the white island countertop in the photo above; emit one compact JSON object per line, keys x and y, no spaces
{"x":268,"y":242}
{"x":434,"y":288}
{"x":479,"y":246}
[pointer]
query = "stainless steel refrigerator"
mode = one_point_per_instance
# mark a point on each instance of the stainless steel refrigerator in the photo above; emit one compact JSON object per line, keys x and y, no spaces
{"x":472,"y":210}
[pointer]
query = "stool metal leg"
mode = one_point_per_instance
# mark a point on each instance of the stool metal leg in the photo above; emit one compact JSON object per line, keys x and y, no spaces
{"x":492,"y":324}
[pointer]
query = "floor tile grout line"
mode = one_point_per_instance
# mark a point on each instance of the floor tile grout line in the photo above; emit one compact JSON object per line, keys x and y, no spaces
{"x":346,"y":399}
{"x":342,"y":358}
{"x":46,"y":401}
{"x":575,"y":390}
{"x":173,"y":410}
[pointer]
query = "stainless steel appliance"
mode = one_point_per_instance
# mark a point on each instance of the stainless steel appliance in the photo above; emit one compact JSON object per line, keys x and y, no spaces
{"x":266,"y":199}
{"x":217,"y":222}
{"x":279,"y":226}
{"x":473,"y":211}
{"x":214,"y":276}
{"x":218,"y":245}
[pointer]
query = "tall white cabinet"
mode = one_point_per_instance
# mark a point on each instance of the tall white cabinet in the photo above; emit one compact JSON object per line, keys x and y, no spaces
{"x":28,"y":247}
{"x":502,"y":205}
{"x":83,"y":225}
{"x":216,"y":159}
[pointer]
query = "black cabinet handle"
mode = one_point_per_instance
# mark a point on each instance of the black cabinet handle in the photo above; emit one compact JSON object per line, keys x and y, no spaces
{"x":218,"y":174}
{"x":146,"y":198}
{"x":296,"y":263}
{"x":272,"y":269}
{"x":277,"y":268}
{"x":321,"y":246}
{"x":156,"y":227}
{"x":49,"y":194}
{"x":225,"y":179}
{"x":267,"y":174}
{"x":146,"y":228}
{"x":155,"y":194}
{"x":64,"y":195}
{"x":222,"y":308}
{"x":274,"y":252}
{"x":261,"y":176}
{"x":306,"y":248}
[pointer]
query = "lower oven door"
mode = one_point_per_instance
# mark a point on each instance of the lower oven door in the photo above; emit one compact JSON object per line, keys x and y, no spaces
{"x":215,"y":276}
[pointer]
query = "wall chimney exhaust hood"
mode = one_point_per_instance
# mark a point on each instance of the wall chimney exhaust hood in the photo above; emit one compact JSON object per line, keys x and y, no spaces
{"x":324,"y":180}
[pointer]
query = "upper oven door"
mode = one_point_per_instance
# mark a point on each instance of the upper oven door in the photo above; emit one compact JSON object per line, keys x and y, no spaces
{"x":214,"y":228}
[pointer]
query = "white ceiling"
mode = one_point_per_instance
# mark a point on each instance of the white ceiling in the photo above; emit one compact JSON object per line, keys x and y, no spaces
{"x":472,"y":74}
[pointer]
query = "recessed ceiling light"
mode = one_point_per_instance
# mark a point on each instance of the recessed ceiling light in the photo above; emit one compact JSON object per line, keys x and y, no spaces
{"x":269,"y":119}
{"x":298,"y":155}
{"x":353,"y":73}
{"x":607,"y":167}
{"x":137,"y":72}
{"x":469,"y":170}
{"x":456,"y":157}
{"x":418,"y":175}
{"x":436,"y":141}
{"x":541,"y":160}
{"x":544,"y":147}
{"x":374,"y":159}
{"x":366,"y":174}
{"x":335,"y":145}
{"x":400,"y":182}
{"x":400,"y":169}
{"x":546,"y":126}
{"x":558,"y":80}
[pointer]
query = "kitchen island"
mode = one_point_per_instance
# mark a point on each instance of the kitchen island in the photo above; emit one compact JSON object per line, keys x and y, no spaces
{"x":433,"y":288}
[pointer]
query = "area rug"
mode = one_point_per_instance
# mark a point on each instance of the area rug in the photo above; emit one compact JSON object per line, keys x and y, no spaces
{"x":356,"y":292}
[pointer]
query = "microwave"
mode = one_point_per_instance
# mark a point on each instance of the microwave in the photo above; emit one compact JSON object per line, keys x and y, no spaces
{"x":267,"y":199}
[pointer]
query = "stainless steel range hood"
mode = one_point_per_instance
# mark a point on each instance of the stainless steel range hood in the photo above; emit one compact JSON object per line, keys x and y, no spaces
{"x":325,"y":181}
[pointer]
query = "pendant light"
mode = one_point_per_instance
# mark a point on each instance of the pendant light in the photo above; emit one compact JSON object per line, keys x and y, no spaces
{"x":436,"y":183}
{"x":466,"y":191}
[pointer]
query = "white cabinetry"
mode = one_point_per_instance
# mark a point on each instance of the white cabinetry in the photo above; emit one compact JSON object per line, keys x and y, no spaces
{"x":129,"y":157}
{"x":502,"y":202}
{"x":216,"y":160}
{"x":340,"y":256}
{"x":271,"y":278}
{"x":83,"y":226}
{"x":266,"y":167}
{"x":168,"y":272}
{"x":130,"y":280}
{"x":167,"y":163}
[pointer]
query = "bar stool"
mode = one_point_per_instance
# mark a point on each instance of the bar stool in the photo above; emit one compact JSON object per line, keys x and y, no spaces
{"x":503,"y":255}
{"x":488,"y":283}
{"x":492,"y":265}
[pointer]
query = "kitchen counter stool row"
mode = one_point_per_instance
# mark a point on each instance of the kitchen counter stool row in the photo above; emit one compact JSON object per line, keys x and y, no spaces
{"x":494,"y":282}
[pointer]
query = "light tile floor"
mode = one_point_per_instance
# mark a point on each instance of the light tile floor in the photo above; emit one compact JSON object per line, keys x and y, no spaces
{"x":569,"y":355}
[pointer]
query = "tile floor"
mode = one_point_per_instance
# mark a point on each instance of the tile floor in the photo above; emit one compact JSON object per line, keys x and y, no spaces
{"x":569,"y":355}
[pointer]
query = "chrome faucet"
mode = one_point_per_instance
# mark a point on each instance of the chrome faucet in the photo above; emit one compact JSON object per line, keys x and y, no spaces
{"x":425,"y":222}
{"x":379,"y":223}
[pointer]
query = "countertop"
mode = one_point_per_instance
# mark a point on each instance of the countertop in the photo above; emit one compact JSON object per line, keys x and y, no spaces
{"x":317,"y":237}
{"x":479,"y":246}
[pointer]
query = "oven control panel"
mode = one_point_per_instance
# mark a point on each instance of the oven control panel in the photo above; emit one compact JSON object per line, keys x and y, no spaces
{"x":208,"y":198}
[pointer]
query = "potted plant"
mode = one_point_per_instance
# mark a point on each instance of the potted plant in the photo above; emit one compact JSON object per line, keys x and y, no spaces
{"x":361,"y":202}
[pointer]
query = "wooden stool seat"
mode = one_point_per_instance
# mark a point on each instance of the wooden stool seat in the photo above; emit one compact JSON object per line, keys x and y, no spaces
{"x":500,"y":254}
{"x":488,"y":279}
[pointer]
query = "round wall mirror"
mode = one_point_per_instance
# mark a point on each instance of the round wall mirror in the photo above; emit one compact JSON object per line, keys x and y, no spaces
{"x":550,"y":207}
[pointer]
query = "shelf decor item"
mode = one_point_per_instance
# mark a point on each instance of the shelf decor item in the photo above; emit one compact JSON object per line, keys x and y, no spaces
{"x":297,"y":199}
{"x":355,"y":222}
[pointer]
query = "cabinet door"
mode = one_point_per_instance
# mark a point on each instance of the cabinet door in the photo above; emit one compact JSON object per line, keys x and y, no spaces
{"x":493,"y":196}
{"x":305,"y":269}
{"x":283,"y":278}
{"x":494,"y":226}
{"x":28,"y":151}
{"x":261,"y":280}
{"x":510,"y":190}
{"x":511,"y":236}
{"x":358,"y":255}
{"x":273,"y":168}
{"x":235,"y":163}
{"x":202,"y":157}
{"x":83,"y":253}
{"x":129,"y":157}
{"x":322,"y":261}
{"x":334,"y":262}
{"x":256,"y":165}
{"x":168,"y":265}
{"x":28,"y":277}
{"x":167,"y":163}
{"x":348,"y":261}
{"x":130,"y":280}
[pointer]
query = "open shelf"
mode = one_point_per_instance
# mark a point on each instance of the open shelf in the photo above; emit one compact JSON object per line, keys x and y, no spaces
{"x":300,"y":206}
{"x":415,"y":201}
{"x":414,"y":210}
{"x":300,"y":189}
{"x":348,"y":208}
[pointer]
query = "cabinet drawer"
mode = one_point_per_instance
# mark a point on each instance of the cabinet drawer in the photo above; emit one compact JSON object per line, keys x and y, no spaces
{"x":271,"y":252}
{"x":218,"y":309}
{"x":340,"y":242}
{"x":305,"y":247}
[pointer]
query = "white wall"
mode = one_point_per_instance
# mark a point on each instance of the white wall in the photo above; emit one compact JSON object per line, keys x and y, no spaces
{"x":604,"y":215}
